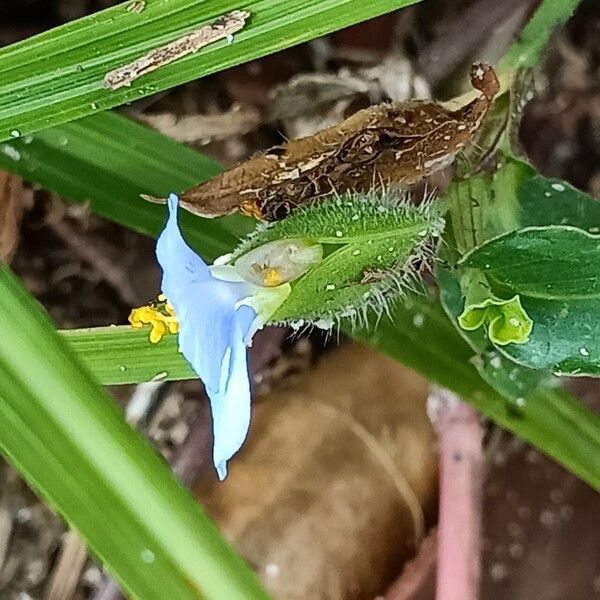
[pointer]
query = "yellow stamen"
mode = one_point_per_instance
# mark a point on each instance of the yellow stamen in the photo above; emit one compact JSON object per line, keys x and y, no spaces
{"x":159,"y":315}
{"x":272,"y":277}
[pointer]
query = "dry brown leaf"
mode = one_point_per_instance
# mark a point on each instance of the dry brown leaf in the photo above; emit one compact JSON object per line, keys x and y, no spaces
{"x":11,"y":212}
{"x":396,"y":143}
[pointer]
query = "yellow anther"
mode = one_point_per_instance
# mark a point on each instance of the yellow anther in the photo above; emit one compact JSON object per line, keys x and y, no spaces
{"x":272,"y":277}
{"x":159,"y":315}
{"x":158,"y":330}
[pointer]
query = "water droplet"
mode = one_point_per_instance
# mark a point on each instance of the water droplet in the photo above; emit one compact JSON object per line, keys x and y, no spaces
{"x":23,"y":515}
{"x":496,"y":361}
{"x":584,"y":352}
{"x":339,"y":233}
{"x":391,"y":249}
{"x":123,"y":368}
{"x":559,"y":187}
{"x":520,"y":401}
{"x":418,"y":320}
{"x":15,"y":133}
{"x":514,"y":321}
{"x":63,"y":141}
{"x":547,"y":194}
{"x":329,"y":287}
{"x":356,"y":252}
{"x":10,"y":151}
{"x":147,"y":555}
{"x":94,"y":106}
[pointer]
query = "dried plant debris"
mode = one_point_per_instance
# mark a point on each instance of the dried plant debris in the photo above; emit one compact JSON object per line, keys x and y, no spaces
{"x":137,"y":6}
{"x":11,"y":211}
{"x":223,"y":27}
{"x":312,"y":101}
{"x":398,"y":143}
{"x":205,"y":128}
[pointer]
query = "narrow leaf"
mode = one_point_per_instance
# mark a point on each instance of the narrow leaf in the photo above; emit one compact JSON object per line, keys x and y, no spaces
{"x":58,"y":76}
{"x":72,"y":444}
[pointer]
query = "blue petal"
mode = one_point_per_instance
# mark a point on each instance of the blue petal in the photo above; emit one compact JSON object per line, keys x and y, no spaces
{"x":213,"y":334}
{"x":231,"y":409}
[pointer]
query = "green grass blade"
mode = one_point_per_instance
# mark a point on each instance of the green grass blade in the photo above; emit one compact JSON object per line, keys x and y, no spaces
{"x":527,"y":50}
{"x":420,"y":336}
{"x":57,"y":76}
{"x":71,"y":443}
{"x":117,"y":355}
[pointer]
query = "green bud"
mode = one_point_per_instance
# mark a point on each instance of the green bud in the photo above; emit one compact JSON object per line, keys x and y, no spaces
{"x":371,"y":247}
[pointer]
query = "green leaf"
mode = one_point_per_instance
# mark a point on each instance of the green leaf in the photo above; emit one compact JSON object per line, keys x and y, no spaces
{"x":118,"y":355}
{"x":555,"y":270}
{"x":67,"y":437}
{"x":420,"y":335}
{"x":544,"y":201}
{"x":58,"y":76}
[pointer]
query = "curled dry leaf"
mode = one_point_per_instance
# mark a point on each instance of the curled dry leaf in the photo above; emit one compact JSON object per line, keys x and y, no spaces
{"x":399,"y":143}
{"x":11,"y":211}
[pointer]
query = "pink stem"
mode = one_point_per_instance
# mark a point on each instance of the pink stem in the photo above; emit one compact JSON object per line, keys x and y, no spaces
{"x":461,"y":479}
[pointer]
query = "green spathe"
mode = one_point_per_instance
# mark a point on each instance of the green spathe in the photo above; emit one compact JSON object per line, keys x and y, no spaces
{"x":373,"y":246}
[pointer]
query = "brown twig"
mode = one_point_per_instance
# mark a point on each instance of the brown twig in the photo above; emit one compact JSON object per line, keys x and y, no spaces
{"x":11,"y":212}
{"x":461,"y":480}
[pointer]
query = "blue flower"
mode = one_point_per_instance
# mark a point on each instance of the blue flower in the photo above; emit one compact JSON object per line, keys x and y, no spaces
{"x":218,"y":313}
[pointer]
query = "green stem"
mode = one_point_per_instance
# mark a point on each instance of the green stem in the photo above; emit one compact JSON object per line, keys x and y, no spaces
{"x":527,"y":51}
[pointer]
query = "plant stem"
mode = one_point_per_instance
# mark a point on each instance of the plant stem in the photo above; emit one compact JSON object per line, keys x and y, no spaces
{"x":461,"y":478}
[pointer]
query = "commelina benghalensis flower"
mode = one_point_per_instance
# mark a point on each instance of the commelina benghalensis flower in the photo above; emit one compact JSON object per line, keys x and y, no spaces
{"x":216,"y":313}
